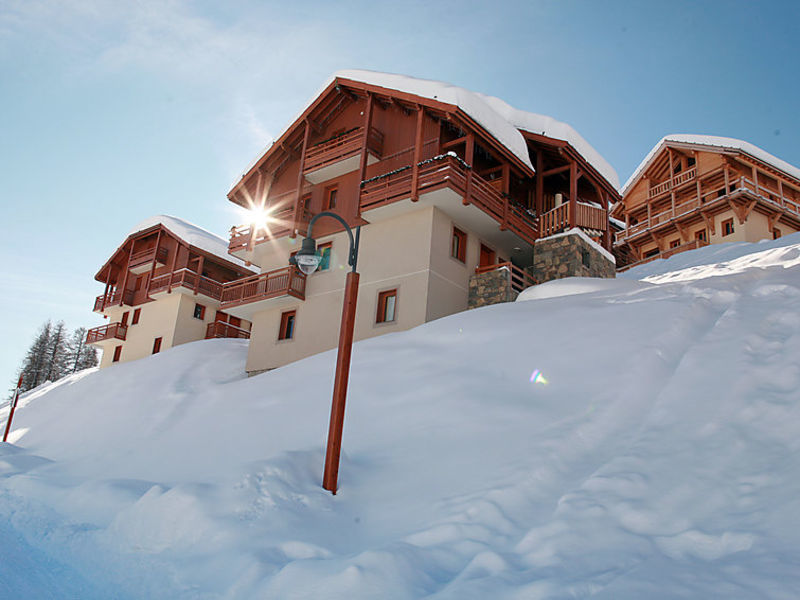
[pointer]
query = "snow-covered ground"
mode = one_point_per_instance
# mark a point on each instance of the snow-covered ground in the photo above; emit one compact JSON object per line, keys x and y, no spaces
{"x":660,"y":460}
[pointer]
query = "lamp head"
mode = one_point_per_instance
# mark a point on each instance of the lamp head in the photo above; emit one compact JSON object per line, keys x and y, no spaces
{"x":307,"y":259}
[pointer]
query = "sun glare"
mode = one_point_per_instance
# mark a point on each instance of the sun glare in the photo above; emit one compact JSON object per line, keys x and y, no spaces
{"x":260,"y":218}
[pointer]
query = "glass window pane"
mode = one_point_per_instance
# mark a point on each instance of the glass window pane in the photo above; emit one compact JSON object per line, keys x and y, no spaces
{"x":389,"y":312}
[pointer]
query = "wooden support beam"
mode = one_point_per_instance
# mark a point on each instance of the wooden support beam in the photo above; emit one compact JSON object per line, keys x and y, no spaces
{"x":554,"y":171}
{"x":362,"y":170}
{"x":709,"y":221}
{"x":780,"y":192}
{"x":746,"y":210}
{"x":417,"y":154}
{"x":671,"y":187}
{"x":469,"y":158}
{"x":454,"y":143}
{"x":506,"y":199}
{"x":300,"y":178}
{"x":174,"y":260}
{"x":683,"y":231}
{"x":573,"y":193}
{"x":539,"y":199}
{"x":774,"y":220}
{"x":200,"y":263}
{"x":755,"y":178}
{"x":125,"y":277}
{"x":153,"y":267}
{"x":607,"y":231}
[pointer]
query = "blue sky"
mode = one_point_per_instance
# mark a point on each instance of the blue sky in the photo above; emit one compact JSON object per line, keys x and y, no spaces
{"x":114,"y":111}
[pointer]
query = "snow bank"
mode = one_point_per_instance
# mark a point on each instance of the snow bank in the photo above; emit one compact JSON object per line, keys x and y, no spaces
{"x":571,"y":286}
{"x":629,"y":443}
{"x":192,"y":235}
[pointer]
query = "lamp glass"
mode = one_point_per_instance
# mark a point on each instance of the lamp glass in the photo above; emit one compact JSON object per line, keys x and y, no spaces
{"x":307,"y":263}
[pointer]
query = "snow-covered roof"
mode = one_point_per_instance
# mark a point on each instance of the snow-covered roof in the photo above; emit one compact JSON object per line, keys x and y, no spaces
{"x":191,"y":234}
{"x":714,"y":142}
{"x":500,"y":119}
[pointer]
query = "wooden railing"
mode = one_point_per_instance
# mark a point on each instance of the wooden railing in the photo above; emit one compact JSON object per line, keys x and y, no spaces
{"x":586,"y":215}
{"x":768,"y":194}
{"x":218,"y":329}
{"x":106,"y":332}
{"x":448,"y":171}
{"x":693,"y":245}
{"x":672,"y":183}
{"x":101,"y":302}
{"x":343,"y":146}
{"x":247,"y":236}
{"x":145,"y":256}
{"x":188,"y":279}
{"x":519,"y":278}
{"x":288,"y":281}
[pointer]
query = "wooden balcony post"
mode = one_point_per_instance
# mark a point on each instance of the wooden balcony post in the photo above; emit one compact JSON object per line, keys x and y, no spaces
{"x":417,"y":155}
{"x":780,"y":192}
{"x":539,"y":201}
{"x":125,"y":277}
{"x":362,"y":169}
{"x":153,"y":268}
{"x":300,"y":176}
{"x":755,"y":179}
{"x":671,"y":187}
{"x":469,"y":157}
{"x":573,"y":193}
{"x":172,"y":267}
{"x":506,"y":199}
{"x":200,"y":263}
{"x":607,"y":230}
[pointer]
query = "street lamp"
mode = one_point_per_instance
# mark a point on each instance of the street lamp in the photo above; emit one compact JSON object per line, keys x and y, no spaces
{"x":307,"y":260}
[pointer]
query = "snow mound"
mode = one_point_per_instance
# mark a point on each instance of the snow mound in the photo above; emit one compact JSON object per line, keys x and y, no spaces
{"x":638,"y":441}
{"x":571,"y":286}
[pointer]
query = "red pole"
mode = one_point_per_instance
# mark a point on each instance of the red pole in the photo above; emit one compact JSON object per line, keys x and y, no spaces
{"x":13,"y":406}
{"x":331,"y":475}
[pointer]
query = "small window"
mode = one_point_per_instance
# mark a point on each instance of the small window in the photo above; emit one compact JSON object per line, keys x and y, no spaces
{"x":727,"y":227}
{"x":387,"y":301}
{"x":586,"y":258}
{"x":776,"y":233}
{"x":458,"y":246}
{"x":235,"y":321}
{"x":199,"y":311}
{"x":286,"y":331}
{"x":117,"y":354}
{"x":691,"y":161}
{"x":674,"y":243}
{"x":138,"y":284}
{"x":124,"y":320}
{"x":324,"y":251}
{"x":157,"y":345}
{"x":220,"y":317}
{"x":136,"y":314}
{"x":650,"y":253}
{"x":701,"y":235}
{"x":331,"y":195}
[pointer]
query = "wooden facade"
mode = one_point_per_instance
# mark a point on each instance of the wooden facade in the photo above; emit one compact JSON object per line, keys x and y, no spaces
{"x":689,"y":194}
{"x":372,"y":146}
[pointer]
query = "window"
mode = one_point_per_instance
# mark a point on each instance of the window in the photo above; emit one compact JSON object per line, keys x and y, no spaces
{"x":138,"y":284}
{"x":458,"y":246}
{"x":691,"y":161}
{"x":674,"y":243}
{"x":701,"y":235}
{"x":199,"y":311}
{"x":220,"y":317}
{"x":286,"y":331}
{"x":586,"y":258}
{"x":324,"y":251}
{"x":136,"y":314}
{"x":117,"y":354}
{"x":387,"y":301}
{"x":649,"y":253}
{"x":124,"y":319}
{"x":727,"y":227}
{"x":776,"y":233}
{"x":235,"y":321}
{"x":331,"y":195}
{"x":157,"y":345}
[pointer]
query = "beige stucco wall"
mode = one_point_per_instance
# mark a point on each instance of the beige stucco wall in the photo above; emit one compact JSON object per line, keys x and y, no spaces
{"x":170,"y":317}
{"x":409,"y":252}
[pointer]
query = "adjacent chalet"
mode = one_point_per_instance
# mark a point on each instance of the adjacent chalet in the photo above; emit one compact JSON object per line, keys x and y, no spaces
{"x":445,"y":182}
{"x":163,"y":287}
{"x":693,"y":190}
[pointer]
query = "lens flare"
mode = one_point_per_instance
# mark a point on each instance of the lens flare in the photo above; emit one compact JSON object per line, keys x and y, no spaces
{"x":537,"y":377}
{"x":260,"y":217}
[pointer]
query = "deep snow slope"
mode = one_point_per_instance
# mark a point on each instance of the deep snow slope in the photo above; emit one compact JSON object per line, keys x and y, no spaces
{"x":659,"y":460}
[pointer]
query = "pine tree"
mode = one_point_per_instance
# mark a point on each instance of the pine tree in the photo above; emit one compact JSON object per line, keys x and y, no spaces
{"x":56,"y":357}
{"x":34,"y":363}
{"x":80,"y":355}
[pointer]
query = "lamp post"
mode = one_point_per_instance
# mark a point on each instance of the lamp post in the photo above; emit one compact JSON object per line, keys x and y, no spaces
{"x":307,"y":260}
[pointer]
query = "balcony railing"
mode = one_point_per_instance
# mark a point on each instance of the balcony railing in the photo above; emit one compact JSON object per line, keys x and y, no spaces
{"x":187,"y":279}
{"x":145,"y":256}
{"x":107,"y":332}
{"x":449,"y":171}
{"x":519,"y":278}
{"x":693,"y":245}
{"x":586,"y":216}
{"x":218,"y":329}
{"x":672,"y":183}
{"x":341,"y":147}
{"x":102,"y":301}
{"x":288,"y":281}
{"x":281,"y":223}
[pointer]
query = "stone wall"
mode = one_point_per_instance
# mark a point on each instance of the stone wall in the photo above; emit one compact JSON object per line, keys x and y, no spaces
{"x":490,"y":288}
{"x":569,"y":255}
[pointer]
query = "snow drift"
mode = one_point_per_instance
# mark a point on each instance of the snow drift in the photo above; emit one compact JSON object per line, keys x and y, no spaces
{"x":659,"y":460}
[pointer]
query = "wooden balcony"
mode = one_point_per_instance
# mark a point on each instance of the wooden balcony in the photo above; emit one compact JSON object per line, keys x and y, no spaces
{"x":520,"y":279}
{"x":112,"y":331}
{"x":340,"y":154}
{"x":288,"y":281}
{"x":102,"y":301}
{"x":673,"y":183}
{"x":693,"y":245}
{"x":245,"y":237}
{"x":188,"y":280}
{"x":448,"y":171}
{"x":225,"y":330}
{"x":586,"y":216}
{"x":142,"y":260}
